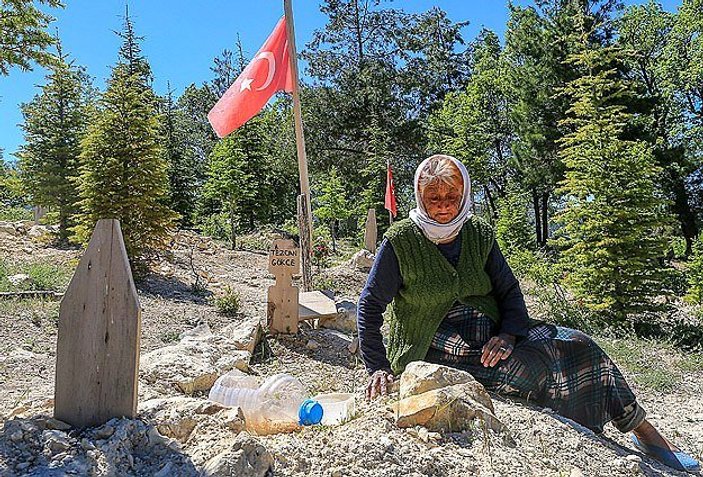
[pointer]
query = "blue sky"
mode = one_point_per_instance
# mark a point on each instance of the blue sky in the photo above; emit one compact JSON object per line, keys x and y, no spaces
{"x":183,"y":36}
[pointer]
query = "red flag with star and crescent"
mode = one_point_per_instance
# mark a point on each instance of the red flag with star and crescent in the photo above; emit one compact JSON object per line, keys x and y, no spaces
{"x":390,"y":204}
{"x":267,"y":73}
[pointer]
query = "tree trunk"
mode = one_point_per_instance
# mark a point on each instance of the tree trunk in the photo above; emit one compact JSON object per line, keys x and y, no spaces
{"x":538,"y":224}
{"x":232,"y":226}
{"x":545,"y":221}
{"x":63,"y":224}
{"x":494,"y":211}
{"x":684,"y":213}
{"x":333,"y":231}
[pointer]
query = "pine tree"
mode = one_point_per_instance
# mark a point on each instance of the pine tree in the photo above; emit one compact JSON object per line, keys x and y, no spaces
{"x":227,"y":184}
{"x":130,"y":54}
{"x":23,"y":36}
{"x":332,"y":205}
{"x":182,"y":171}
{"x":252,"y":175}
{"x":12,"y":193}
{"x":610,"y":238}
{"x":54,"y":124}
{"x":123,"y":174}
{"x":513,"y":227}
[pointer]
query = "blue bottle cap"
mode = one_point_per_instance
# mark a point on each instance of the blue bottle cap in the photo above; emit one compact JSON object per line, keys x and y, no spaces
{"x":310,"y":412}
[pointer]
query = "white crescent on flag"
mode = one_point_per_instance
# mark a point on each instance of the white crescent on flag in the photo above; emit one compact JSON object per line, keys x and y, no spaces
{"x":271,"y":60}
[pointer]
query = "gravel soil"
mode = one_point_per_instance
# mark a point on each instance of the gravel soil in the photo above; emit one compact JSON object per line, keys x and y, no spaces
{"x":180,"y":294}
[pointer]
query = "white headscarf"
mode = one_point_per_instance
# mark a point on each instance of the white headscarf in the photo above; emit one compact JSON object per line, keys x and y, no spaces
{"x":433,"y":230}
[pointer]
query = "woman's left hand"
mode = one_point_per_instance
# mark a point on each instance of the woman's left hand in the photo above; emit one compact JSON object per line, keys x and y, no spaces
{"x":499,"y":347}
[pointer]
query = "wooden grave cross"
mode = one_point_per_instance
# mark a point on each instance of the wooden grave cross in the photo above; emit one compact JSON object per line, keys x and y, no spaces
{"x":284,"y":262}
{"x":97,"y":352}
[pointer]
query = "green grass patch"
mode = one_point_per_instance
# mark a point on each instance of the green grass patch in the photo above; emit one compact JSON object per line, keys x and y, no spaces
{"x":42,"y":276}
{"x":656,"y":365}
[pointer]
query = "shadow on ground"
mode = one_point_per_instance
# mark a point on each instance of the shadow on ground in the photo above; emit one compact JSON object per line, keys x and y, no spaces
{"x":173,"y":289}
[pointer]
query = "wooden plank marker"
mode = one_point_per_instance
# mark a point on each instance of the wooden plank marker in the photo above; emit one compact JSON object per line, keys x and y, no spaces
{"x":38,"y":212}
{"x":371,"y":232}
{"x":97,"y":354}
{"x":284,"y":261}
{"x":316,"y":304}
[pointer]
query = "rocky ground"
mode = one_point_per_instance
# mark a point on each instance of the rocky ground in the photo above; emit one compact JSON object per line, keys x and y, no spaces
{"x":186,"y":343}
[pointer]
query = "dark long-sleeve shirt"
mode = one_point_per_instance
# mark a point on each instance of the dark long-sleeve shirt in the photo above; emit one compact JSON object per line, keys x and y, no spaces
{"x":384,"y":281}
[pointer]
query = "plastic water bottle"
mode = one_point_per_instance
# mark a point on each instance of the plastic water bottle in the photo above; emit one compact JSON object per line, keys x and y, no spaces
{"x":279,"y":405}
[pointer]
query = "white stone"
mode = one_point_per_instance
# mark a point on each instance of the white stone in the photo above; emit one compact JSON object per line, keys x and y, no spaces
{"x":192,"y":365}
{"x":244,"y":335}
{"x":201,"y":331}
{"x":8,"y":228}
{"x":19,"y":280}
{"x":312,"y":345}
{"x":576,"y":472}
{"x":245,"y":458}
{"x":57,"y":441}
{"x":177,"y":417}
{"x":362,"y":260}
{"x":420,"y":377}
{"x":344,"y":320}
{"x":448,"y":409}
{"x":38,"y":232}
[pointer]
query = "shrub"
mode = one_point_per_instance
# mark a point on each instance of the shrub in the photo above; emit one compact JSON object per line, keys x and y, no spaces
{"x":216,"y":225}
{"x":321,"y":253}
{"x":695,"y":273}
{"x":229,"y":303}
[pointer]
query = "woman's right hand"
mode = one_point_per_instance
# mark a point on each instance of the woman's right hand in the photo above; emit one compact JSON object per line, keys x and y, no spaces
{"x":379,"y":383}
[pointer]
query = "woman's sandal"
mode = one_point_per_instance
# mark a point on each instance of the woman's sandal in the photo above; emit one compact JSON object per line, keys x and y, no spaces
{"x":675,"y":459}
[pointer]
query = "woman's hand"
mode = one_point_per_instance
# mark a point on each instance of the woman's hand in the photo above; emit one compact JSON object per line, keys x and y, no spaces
{"x":378,"y":384}
{"x":499,"y":347}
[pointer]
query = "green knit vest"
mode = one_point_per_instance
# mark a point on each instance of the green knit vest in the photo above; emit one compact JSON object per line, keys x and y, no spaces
{"x":431,"y":285}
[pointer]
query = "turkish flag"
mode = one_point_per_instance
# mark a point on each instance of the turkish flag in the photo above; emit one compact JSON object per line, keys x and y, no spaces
{"x":390,"y":204}
{"x":267,"y":73}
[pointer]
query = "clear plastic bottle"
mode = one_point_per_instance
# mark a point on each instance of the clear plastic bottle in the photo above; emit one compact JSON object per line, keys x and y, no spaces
{"x":279,"y":405}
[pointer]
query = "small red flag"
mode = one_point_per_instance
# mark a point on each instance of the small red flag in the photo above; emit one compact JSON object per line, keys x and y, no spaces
{"x":267,"y":73}
{"x":390,"y":204}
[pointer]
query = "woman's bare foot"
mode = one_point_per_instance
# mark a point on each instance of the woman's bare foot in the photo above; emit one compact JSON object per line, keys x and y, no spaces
{"x":647,"y":434}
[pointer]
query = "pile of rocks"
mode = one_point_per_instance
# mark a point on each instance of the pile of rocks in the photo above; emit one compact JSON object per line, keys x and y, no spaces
{"x":45,"y":446}
{"x":194,"y":363}
{"x":444,"y":399}
{"x":29,"y":229}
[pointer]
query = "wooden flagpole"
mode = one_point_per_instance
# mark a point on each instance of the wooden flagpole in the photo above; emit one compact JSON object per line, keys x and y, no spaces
{"x":300,"y":144}
{"x":390,"y":213}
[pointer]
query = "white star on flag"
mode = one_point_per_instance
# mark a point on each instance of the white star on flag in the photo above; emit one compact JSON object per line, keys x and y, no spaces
{"x":246,"y":84}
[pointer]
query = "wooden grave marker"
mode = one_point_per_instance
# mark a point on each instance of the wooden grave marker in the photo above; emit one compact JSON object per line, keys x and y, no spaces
{"x":38,"y":212}
{"x":284,"y":262}
{"x":371,"y":232}
{"x":97,"y":353}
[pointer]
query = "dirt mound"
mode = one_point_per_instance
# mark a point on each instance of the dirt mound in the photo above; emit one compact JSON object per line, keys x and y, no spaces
{"x":178,"y":434}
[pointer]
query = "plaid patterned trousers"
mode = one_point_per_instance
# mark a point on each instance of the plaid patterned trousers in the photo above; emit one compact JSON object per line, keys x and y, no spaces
{"x":554,"y":366}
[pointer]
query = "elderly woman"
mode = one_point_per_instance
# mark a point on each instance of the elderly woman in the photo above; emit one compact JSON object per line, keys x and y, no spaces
{"x":453,"y":300}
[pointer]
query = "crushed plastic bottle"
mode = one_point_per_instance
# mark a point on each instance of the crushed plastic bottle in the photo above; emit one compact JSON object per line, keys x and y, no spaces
{"x":279,"y":405}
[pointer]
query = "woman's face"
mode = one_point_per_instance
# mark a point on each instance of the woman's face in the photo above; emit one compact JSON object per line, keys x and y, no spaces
{"x":442,"y":201}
